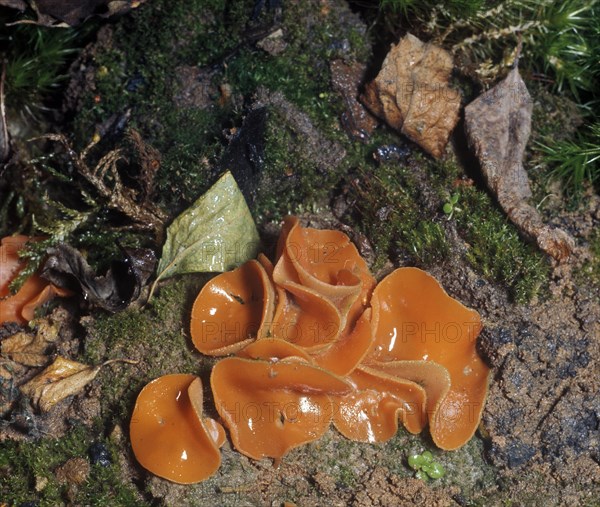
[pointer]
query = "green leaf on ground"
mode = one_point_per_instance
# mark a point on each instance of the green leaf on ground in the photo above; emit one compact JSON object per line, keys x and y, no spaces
{"x":217,"y":233}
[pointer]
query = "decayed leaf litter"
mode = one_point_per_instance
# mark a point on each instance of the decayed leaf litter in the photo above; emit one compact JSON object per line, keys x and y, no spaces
{"x":61,"y":379}
{"x":23,"y":353}
{"x":498,"y":124}
{"x":114,"y":291}
{"x":70,"y":12}
{"x":412,"y":95}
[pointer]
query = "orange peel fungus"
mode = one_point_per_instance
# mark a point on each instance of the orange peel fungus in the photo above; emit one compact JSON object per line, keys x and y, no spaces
{"x":314,"y":340}
{"x":169,"y":436}
{"x":20,"y":307}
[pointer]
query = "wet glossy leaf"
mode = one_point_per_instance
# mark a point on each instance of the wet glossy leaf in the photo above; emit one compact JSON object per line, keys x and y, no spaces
{"x":498,"y":124}
{"x":217,"y":233}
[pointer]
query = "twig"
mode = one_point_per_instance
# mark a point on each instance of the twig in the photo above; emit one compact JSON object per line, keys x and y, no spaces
{"x":119,"y":196}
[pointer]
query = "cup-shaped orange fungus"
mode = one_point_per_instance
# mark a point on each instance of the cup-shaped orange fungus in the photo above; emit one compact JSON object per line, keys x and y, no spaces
{"x":169,"y":436}
{"x":326,"y":262}
{"x":20,"y":307}
{"x":414,"y":319}
{"x":306,"y":318}
{"x":271,"y":349}
{"x":370,"y":413}
{"x":349,"y":350}
{"x":315,"y":342}
{"x":233,"y":309}
{"x":271,"y":407}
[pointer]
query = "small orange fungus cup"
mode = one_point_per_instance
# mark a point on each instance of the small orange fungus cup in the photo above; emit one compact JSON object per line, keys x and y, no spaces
{"x":169,"y":436}
{"x":20,"y":307}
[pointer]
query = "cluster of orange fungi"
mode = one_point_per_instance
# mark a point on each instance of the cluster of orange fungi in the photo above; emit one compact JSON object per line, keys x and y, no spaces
{"x":20,"y":307}
{"x":315,"y":340}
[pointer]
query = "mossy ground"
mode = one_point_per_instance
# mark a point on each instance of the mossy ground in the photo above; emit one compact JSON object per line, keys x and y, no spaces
{"x":26,"y":467}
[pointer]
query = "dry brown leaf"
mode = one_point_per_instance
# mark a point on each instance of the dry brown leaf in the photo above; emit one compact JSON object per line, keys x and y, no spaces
{"x":61,"y":379}
{"x":412,"y":95}
{"x":30,"y":350}
{"x":498,"y":124}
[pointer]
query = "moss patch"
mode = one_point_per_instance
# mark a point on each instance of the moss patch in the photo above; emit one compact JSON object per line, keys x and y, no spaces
{"x":23,"y":465}
{"x":496,"y":249}
{"x":136,"y":67}
{"x":395,"y":220}
{"x":157,"y":336}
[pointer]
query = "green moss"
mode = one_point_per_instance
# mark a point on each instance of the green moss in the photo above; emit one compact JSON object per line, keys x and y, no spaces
{"x":345,"y":477}
{"x":395,"y":220}
{"x":23,"y":464}
{"x":36,"y":62}
{"x":158,"y":336}
{"x":291,"y":180}
{"x":301,"y":72}
{"x":496,"y":249}
{"x":138,"y":68}
{"x":467,"y":469}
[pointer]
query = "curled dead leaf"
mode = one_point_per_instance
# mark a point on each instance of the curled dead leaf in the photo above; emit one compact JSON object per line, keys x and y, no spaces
{"x":30,"y":350}
{"x":61,"y":379}
{"x":411,"y":93}
{"x":498,"y":124}
{"x":114,"y":291}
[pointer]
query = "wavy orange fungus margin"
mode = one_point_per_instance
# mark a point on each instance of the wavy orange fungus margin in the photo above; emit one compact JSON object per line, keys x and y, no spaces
{"x":314,"y":340}
{"x":20,"y":307}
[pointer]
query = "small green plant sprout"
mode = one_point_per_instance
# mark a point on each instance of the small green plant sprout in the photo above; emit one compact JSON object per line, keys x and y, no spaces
{"x":425,"y":466}
{"x":451,"y":205}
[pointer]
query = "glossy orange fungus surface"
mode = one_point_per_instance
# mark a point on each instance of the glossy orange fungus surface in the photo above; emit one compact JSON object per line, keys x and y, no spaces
{"x":20,"y":307}
{"x":314,"y":340}
{"x":168,"y":434}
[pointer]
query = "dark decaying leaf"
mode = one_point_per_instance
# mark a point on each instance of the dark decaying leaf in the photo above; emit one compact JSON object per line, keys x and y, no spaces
{"x":71,"y":12}
{"x":498,"y":124}
{"x":346,"y":79}
{"x":244,"y":157}
{"x":411,"y":93}
{"x":114,"y":291}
